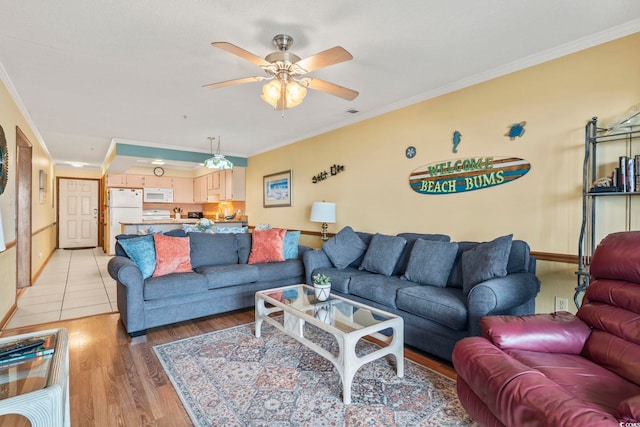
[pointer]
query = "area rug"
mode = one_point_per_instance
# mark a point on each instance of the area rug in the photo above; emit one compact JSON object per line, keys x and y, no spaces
{"x":231,"y":378}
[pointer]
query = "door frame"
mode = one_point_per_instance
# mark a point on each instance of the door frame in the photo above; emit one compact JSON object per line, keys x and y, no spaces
{"x":24,"y":188}
{"x":100,"y":208}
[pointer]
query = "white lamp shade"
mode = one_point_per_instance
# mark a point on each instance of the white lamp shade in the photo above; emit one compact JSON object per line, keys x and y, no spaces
{"x":323,"y":212}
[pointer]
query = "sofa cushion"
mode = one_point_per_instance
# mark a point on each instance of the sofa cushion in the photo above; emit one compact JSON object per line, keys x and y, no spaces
{"x":519,"y":260}
{"x":267,"y":245}
{"x":291,"y":239}
{"x":519,"y":257}
{"x":213,"y":249}
{"x":486,"y":261}
{"x":580,"y":377}
{"x":377,"y":287}
{"x":431,"y":262}
{"x":243,"y":242}
{"x":142,"y":251}
{"x":445,"y":306}
{"x":344,"y":248}
{"x":340,"y":278}
{"x":455,"y":278}
{"x":271,"y":271}
{"x":221,"y":276}
{"x":382,"y":254}
{"x":411,"y":238}
{"x":172,"y":255}
{"x":174,"y":285}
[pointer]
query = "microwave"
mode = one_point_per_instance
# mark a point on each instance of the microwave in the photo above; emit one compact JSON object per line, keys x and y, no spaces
{"x":158,"y":195}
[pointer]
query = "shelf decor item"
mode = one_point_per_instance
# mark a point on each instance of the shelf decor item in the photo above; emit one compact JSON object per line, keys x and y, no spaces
{"x":322,"y":286}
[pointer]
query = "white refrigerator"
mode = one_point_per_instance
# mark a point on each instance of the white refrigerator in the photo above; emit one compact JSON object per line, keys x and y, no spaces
{"x":125,"y":205}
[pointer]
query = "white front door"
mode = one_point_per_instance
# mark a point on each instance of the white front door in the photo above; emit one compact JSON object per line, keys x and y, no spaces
{"x":78,"y":216}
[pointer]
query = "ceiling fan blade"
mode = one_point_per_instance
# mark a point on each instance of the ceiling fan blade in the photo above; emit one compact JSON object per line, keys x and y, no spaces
{"x":244,"y":54}
{"x":234,"y":82}
{"x":335,"y":55}
{"x":332,"y":88}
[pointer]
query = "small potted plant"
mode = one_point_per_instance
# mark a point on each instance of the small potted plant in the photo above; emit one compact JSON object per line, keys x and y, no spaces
{"x":322,"y":286}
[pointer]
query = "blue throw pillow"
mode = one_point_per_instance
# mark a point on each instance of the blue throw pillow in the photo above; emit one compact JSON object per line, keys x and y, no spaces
{"x":383,"y":254}
{"x":142,"y":251}
{"x":486,"y":261}
{"x":431,"y":262}
{"x":291,"y":239}
{"x":344,"y":248}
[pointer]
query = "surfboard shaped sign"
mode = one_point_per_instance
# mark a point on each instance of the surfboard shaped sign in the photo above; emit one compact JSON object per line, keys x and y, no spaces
{"x":462,"y":175}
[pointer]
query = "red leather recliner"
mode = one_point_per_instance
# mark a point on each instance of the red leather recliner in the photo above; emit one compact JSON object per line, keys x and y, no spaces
{"x":560,"y":369}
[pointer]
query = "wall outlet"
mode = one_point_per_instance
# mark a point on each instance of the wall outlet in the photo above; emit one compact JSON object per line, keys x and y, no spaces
{"x":562,"y":304}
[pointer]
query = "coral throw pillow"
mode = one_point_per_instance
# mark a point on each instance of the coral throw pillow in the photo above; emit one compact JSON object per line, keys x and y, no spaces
{"x":267,"y":245}
{"x":172,"y":255}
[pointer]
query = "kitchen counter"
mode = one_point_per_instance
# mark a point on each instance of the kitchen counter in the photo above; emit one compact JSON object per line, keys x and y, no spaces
{"x":170,"y":224}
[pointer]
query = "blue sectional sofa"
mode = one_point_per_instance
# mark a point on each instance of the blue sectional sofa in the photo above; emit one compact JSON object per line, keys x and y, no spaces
{"x":221,"y":280}
{"x":440,"y":288}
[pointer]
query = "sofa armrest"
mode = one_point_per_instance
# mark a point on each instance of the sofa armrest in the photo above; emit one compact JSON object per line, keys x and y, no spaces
{"x":498,"y":296}
{"x":514,"y":392}
{"x":125,"y":271}
{"x":314,"y":259}
{"x":130,"y":292}
{"x":629,"y":410}
{"x":560,"y":332}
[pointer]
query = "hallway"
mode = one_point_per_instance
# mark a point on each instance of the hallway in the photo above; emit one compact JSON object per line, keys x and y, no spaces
{"x":74,"y":283}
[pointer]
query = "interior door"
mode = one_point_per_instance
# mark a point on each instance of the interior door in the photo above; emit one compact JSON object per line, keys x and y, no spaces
{"x":78,"y":214}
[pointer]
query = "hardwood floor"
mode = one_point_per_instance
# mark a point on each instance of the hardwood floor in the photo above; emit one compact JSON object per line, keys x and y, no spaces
{"x":116,"y":380}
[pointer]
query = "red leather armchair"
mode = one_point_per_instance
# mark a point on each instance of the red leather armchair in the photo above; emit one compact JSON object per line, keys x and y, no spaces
{"x":559,"y":369}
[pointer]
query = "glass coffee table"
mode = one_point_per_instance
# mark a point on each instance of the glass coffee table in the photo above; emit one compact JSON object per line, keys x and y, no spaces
{"x":36,"y":387}
{"x":348,"y":321}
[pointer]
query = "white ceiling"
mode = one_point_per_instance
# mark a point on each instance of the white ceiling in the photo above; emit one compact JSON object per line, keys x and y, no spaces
{"x":87,"y":72}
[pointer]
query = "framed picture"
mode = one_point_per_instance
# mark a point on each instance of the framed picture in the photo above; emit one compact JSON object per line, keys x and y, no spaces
{"x":277,"y":190}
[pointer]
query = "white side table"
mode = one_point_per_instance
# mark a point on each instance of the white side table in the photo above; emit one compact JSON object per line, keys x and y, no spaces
{"x":38,"y":390}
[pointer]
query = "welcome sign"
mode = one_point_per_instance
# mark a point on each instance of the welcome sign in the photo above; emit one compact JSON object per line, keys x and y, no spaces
{"x":461,"y":175}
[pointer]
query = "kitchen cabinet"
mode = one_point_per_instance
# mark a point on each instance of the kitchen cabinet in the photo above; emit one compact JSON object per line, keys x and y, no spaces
{"x":158,"y":181}
{"x":116,"y":180}
{"x":213,"y":181}
{"x":200,"y":189}
{"x":135,"y":181}
{"x":124,"y":180}
{"x":183,"y":190}
{"x":235,"y":183}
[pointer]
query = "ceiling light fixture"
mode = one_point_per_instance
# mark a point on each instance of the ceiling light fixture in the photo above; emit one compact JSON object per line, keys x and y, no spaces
{"x":283,"y":93}
{"x":218,"y":161}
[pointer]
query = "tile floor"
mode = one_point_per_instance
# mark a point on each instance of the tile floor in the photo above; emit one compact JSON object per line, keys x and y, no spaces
{"x":74,"y":283}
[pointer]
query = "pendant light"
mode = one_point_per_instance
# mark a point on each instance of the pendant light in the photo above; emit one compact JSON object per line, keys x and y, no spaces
{"x":218,"y":161}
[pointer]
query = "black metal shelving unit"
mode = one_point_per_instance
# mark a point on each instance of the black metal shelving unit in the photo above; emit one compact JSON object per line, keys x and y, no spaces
{"x":594,"y":136}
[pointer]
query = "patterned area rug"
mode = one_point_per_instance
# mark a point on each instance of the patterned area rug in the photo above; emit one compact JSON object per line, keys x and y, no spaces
{"x":231,"y":378}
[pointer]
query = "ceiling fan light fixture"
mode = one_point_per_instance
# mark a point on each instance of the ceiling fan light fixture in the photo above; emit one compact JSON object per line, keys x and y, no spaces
{"x":293,"y":94}
{"x":218,"y":161}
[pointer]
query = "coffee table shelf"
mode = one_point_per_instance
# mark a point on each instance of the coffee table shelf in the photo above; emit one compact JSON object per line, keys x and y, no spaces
{"x":38,"y":388}
{"x":348,"y":322}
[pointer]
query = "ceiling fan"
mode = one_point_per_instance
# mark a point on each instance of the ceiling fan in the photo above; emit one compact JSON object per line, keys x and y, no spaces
{"x":285,"y":70}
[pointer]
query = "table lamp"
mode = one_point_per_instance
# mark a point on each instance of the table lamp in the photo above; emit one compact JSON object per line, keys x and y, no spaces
{"x":325,"y":213}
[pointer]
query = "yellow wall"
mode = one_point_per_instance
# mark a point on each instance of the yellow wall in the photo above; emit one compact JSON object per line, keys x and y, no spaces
{"x":72,"y":172}
{"x":43,"y":214}
{"x":555,"y":98}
